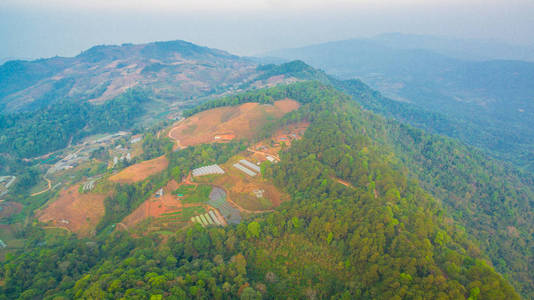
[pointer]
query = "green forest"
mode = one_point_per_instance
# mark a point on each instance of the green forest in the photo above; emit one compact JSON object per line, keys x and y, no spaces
{"x":407,"y":226}
{"x":29,"y":134}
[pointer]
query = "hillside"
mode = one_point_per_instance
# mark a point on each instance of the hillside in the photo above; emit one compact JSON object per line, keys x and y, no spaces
{"x":175,"y":70}
{"x":47,"y":103}
{"x":362,"y":220}
{"x":491,"y":99}
{"x":229,"y":123}
{"x":464,"y":49}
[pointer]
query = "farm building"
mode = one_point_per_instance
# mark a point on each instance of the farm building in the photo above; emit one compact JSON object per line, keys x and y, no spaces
{"x":258,"y":193}
{"x":207,"y":170}
{"x":136,"y":139}
{"x":250,"y":165}
{"x":224,"y":137}
{"x":206,"y":219}
{"x":244,"y":170}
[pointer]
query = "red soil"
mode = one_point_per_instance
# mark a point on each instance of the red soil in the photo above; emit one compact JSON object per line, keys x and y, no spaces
{"x":141,"y":171}
{"x":76,"y":212}
{"x":231,"y":122}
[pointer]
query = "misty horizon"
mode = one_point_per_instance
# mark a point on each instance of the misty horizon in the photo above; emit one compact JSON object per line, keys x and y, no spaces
{"x":29,"y":29}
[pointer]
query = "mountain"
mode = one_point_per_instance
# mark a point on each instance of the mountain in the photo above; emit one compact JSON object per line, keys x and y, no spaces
{"x":493,"y":98}
{"x":347,"y":201}
{"x":356,"y":224}
{"x":464,"y":49}
{"x":175,"y":70}
{"x":489,"y":198}
{"x":46,"y":103}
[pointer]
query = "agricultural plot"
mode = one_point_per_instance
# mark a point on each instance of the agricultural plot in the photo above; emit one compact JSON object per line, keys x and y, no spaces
{"x":227,"y":210}
{"x":76,"y":212}
{"x":193,"y":194}
{"x":8,"y":208}
{"x":155,"y":207}
{"x":225,"y":123}
{"x":178,"y":219}
{"x":141,"y":171}
{"x":268,"y":149}
{"x":243,"y":189}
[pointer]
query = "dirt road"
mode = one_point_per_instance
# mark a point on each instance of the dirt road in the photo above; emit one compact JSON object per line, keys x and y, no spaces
{"x":45,"y":190}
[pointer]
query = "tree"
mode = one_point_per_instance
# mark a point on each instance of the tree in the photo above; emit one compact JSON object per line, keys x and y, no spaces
{"x":253,"y":229}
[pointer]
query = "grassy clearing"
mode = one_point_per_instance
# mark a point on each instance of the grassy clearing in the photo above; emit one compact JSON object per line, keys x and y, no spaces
{"x":200,"y":194}
{"x":185,"y":189}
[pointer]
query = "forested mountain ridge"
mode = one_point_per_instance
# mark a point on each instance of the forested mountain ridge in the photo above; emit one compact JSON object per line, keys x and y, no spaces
{"x":382,"y":236}
{"x":490,"y":99}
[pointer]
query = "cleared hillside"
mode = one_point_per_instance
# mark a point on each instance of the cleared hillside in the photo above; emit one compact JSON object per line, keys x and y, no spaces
{"x":227,"y":123}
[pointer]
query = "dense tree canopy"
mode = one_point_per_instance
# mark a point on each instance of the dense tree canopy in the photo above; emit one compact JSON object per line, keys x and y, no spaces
{"x":51,"y":128}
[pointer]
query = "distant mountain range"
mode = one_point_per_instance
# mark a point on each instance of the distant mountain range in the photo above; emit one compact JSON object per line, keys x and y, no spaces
{"x":172,"y":71}
{"x":467,"y":49}
{"x":493,"y":98}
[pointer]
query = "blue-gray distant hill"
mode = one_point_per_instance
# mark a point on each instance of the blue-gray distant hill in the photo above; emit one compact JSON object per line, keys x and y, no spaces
{"x":494,"y":99}
{"x":467,"y":49}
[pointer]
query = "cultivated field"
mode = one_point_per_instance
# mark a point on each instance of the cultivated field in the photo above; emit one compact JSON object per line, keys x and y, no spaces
{"x":76,"y":212}
{"x":154,"y":207}
{"x":171,"y":209}
{"x":226,"y":123}
{"x":241,"y":188}
{"x":141,"y":171}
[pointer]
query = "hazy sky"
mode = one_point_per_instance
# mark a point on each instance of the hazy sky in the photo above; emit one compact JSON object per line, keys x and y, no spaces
{"x":44,"y":28}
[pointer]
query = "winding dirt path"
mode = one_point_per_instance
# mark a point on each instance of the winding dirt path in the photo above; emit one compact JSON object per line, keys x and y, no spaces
{"x":343,"y":182}
{"x":169,"y":135}
{"x":45,"y":190}
{"x":122,"y":225}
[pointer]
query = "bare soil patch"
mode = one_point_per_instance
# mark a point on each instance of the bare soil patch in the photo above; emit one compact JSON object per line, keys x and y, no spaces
{"x":76,"y":212}
{"x":225,"y":123}
{"x":141,"y":171}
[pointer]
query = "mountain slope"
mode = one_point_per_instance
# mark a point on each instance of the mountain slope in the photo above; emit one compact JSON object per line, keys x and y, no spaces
{"x":175,"y":69}
{"x":466,"y":49}
{"x":492,"y":200}
{"x":381,"y":236}
{"x":494,"y":98}
{"x":38,"y":98}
